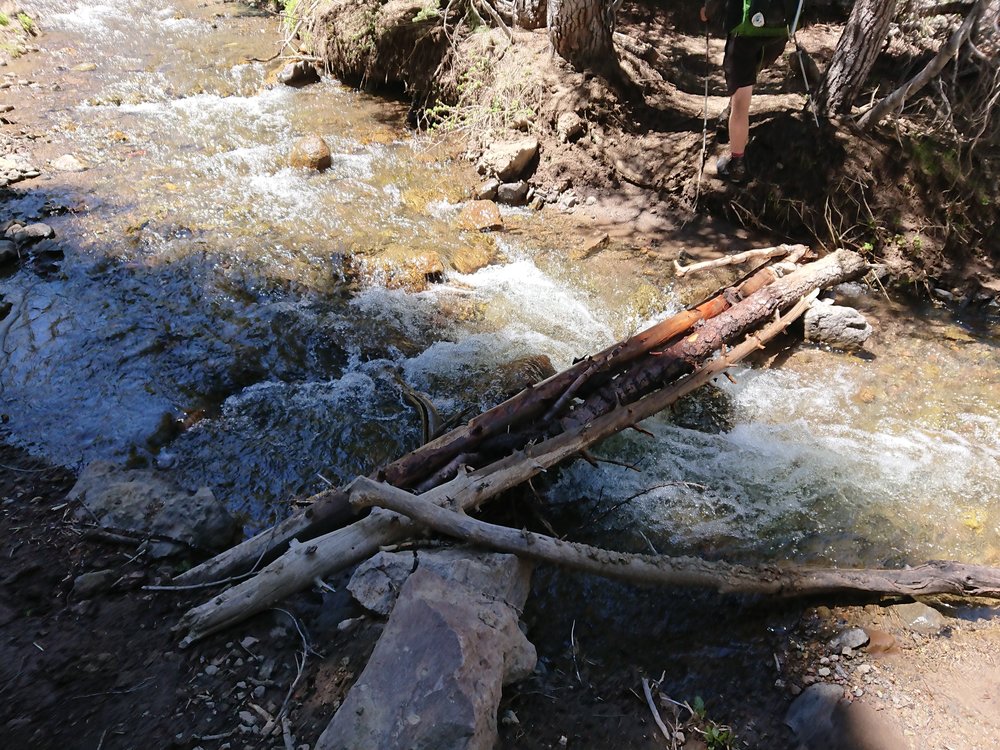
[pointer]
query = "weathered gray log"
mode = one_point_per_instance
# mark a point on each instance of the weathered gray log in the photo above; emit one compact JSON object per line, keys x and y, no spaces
{"x":325,"y":555}
{"x":936,"y":577}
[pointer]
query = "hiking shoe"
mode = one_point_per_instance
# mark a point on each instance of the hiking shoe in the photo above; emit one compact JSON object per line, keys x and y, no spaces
{"x":732,"y":168}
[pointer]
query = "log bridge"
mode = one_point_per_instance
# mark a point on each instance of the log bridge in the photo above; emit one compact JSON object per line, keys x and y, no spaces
{"x":438,"y":484}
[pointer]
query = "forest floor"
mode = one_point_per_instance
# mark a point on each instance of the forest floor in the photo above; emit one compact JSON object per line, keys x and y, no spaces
{"x":100,"y":668}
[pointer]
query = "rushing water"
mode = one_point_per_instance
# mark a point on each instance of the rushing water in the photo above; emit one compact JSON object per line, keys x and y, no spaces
{"x":206,"y":319}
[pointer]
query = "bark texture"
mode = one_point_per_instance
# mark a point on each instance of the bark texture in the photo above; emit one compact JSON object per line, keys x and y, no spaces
{"x":581,"y":30}
{"x":854,"y":56}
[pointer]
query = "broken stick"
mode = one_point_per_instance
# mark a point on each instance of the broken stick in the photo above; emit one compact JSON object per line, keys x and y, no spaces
{"x":794,"y":253}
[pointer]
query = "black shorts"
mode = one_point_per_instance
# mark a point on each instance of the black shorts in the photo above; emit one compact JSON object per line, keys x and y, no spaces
{"x":746,"y":56}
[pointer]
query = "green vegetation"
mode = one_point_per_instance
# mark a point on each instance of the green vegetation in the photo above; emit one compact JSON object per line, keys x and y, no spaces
{"x":717,"y":736}
{"x":4,"y":19}
{"x":27,"y":23}
{"x":430,"y":11}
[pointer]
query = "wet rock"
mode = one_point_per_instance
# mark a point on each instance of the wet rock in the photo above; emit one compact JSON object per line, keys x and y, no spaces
{"x":836,"y":326}
{"x":591,"y":246}
{"x":570,"y":126}
{"x":435,"y":677}
{"x":32,"y":233}
{"x":512,"y":193}
{"x":68,"y":163}
{"x":508,"y":160}
{"x":397,"y":268}
{"x":920,"y":618}
{"x":823,"y":720}
{"x":376,"y":583}
{"x":472,"y":257}
{"x":516,"y":375}
{"x":84,"y":67}
{"x":8,"y":252}
{"x":488,"y":190}
{"x":143,"y":502}
{"x":310,"y":152}
{"x":481,"y":216}
{"x":88,"y":584}
{"x":298,"y":73}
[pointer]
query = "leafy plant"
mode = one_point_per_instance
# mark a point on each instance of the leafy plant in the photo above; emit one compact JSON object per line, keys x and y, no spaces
{"x":4,"y":19}
{"x":27,"y":23}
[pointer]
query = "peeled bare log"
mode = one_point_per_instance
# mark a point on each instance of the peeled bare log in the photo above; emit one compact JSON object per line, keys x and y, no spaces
{"x":302,"y":564}
{"x":794,"y":253}
{"x":329,"y":510}
{"x":937,"y":577}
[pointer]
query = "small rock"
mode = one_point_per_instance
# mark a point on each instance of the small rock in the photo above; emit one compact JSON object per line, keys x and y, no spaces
{"x":211,"y":670}
{"x":570,"y":126}
{"x":481,"y":216}
{"x":864,"y":669}
{"x":298,"y":73}
{"x":508,"y":160}
{"x":249,"y":642}
{"x":836,"y":326}
{"x":488,"y":190}
{"x":84,"y":67}
{"x":8,"y":252}
{"x":920,"y":618}
{"x":593,"y":245}
{"x":880,"y":642}
{"x":858,"y":692}
{"x":344,"y":625}
{"x":824,"y":660}
{"x":259,"y":691}
{"x":509,"y":719}
{"x":68,"y":163}
{"x":853,"y":638}
{"x":310,"y":152}
{"x":32,"y":233}
{"x":247,"y":718}
{"x":88,"y":584}
{"x":512,"y":193}
{"x":823,"y":671}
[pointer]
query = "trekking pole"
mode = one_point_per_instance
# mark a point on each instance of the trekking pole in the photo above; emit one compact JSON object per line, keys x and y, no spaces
{"x":704,"y":126}
{"x":802,"y":66}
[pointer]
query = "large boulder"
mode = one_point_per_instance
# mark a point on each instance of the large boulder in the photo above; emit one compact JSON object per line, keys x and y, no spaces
{"x":836,"y":326}
{"x":377,"y":582}
{"x":310,"y":152}
{"x":508,"y":160}
{"x":144,"y":502}
{"x":436,"y":675}
{"x":823,"y":719}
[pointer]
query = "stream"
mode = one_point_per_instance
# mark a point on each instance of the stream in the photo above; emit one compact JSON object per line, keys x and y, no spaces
{"x":207,"y":316}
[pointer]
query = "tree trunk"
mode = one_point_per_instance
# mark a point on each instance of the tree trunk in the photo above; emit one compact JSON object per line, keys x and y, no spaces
{"x":856,"y":51}
{"x":530,"y":14}
{"x":581,"y":31}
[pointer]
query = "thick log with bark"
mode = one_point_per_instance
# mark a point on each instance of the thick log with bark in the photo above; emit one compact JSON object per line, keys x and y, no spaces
{"x":323,"y":556}
{"x":937,"y":577}
{"x":329,"y":510}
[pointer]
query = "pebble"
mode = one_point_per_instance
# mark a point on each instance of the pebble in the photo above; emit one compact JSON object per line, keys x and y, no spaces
{"x":823,"y":672}
{"x":248,"y":718}
{"x":864,"y":668}
{"x":211,"y":670}
{"x":249,"y":642}
{"x":258,"y":692}
{"x":858,"y":692}
{"x":853,"y":638}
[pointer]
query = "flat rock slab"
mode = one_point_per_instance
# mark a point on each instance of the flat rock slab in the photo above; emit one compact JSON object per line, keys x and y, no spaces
{"x":508,"y":160}
{"x":377,"y":582}
{"x":146,"y":503}
{"x":823,"y":720}
{"x":436,"y":675}
{"x":920,"y":618}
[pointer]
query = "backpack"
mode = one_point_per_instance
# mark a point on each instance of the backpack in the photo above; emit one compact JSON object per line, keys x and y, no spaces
{"x":766,"y":17}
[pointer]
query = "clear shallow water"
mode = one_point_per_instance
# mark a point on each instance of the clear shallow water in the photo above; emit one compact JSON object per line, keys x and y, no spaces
{"x":206,"y":318}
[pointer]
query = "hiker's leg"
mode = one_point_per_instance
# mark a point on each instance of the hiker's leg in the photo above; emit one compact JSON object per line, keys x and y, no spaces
{"x":739,"y":119}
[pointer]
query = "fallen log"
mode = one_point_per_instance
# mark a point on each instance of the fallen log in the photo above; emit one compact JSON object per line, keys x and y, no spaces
{"x":437,"y":461}
{"x":794,"y":253}
{"x":325,"y":555}
{"x":936,"y":577}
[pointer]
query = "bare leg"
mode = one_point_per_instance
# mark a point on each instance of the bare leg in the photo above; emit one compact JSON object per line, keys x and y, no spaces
{"x":739,"y":119}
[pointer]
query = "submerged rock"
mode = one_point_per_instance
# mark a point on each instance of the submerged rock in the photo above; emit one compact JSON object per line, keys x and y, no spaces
{"x":397,"y":268}
{"x":32,"y":233}
{"x":68,"y":163}
{"x":436,"y":675}
{"x":481,"y":216}
{"x":310,"y":152}
{"x":508,"y":160}
{"x":837,"y":326}
{"x":474,"y":256}
{"x":146,"y":503}
{"x":920,"y":618}
{"x":8,"y":252}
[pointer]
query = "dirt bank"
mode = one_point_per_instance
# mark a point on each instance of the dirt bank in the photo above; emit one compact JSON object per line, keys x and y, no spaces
{"x":901,"y":195}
